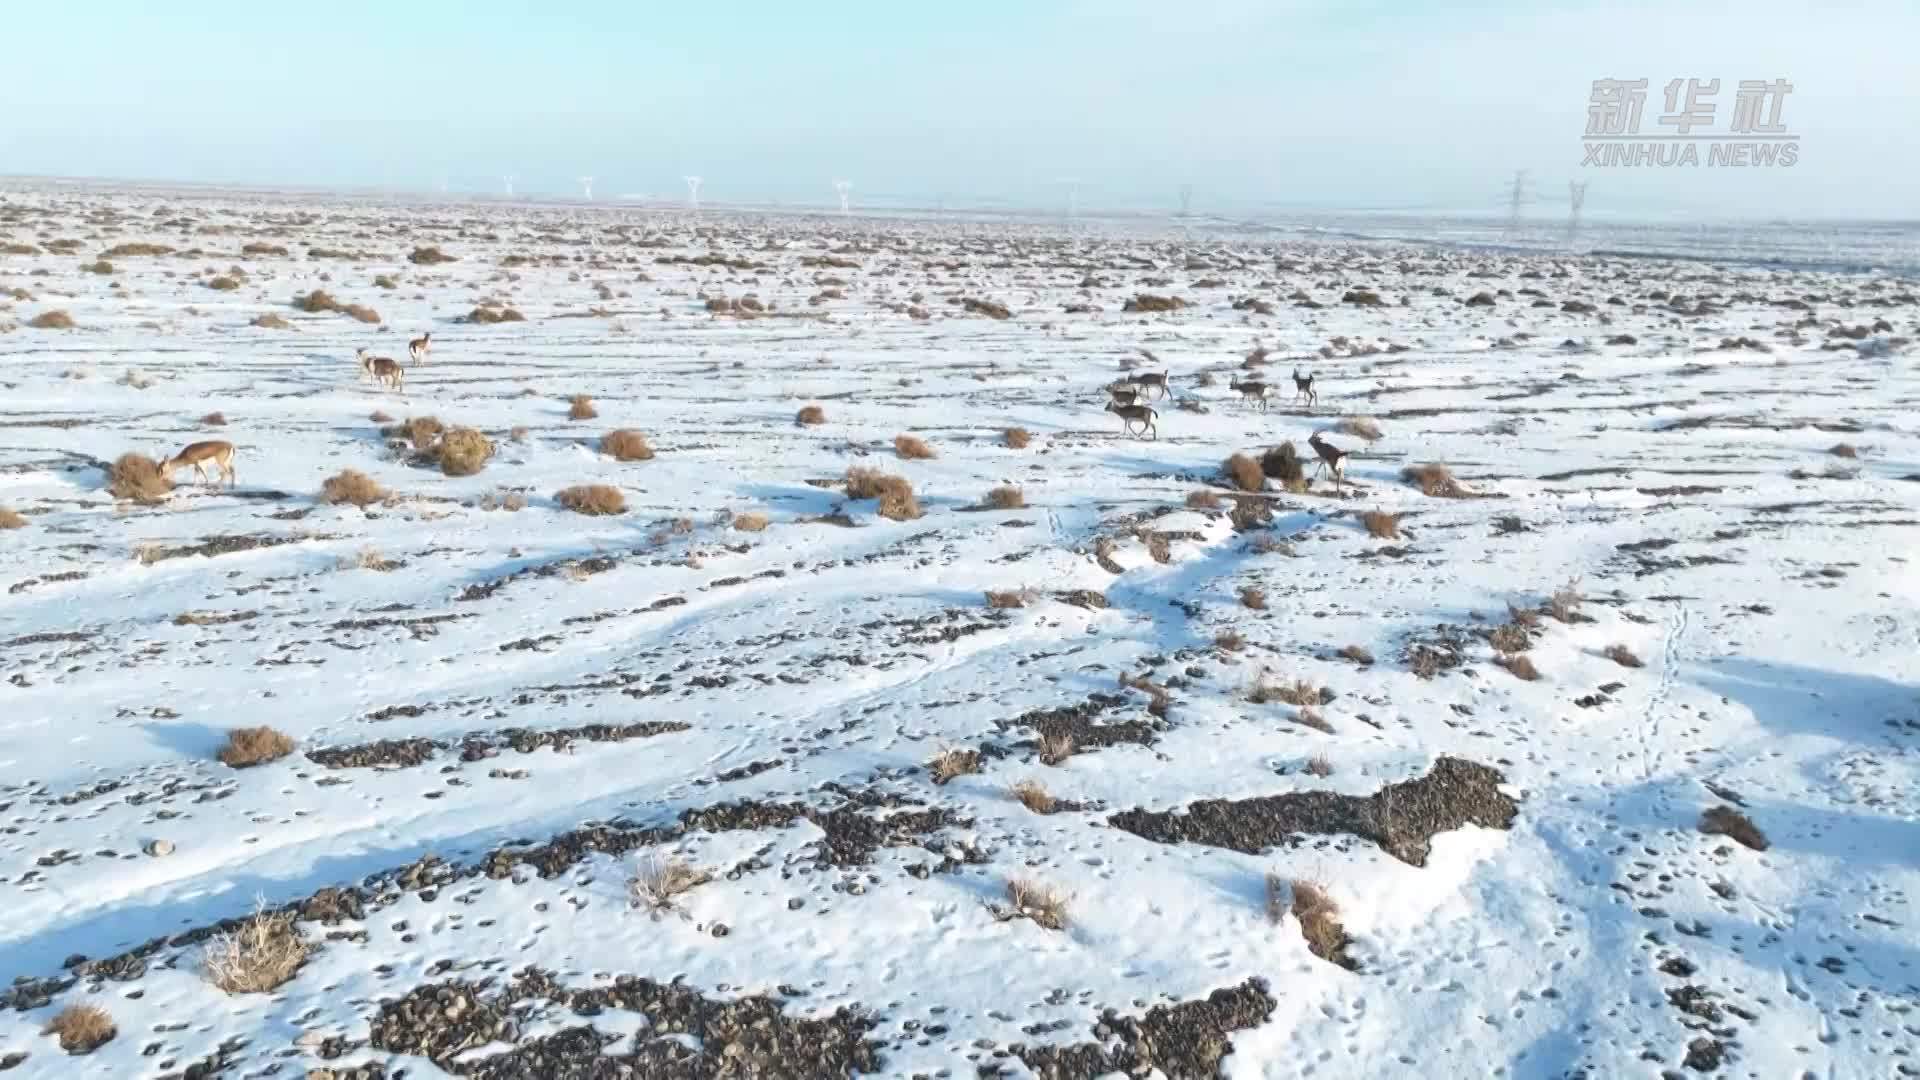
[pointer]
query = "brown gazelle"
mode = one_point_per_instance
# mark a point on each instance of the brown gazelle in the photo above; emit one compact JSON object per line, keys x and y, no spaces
{"x":217,"y":451}
{"x":1149,"y":381}
{"x":1331,"y":456}
{"x":1134,"y":416}
{"x":384,"y":368}
{"x":1124,"y":393}
{"x":1253,"y":391}
{"x":419,"y":347}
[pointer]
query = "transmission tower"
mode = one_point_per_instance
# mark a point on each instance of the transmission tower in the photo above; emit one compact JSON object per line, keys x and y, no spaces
{"x":693,"y":192}
{"x":1186,"y":199}
{"x":1517,"y":197}
{"x":508,"y":181}
{"x":843,"y":188}
{"x":586,"y":186}
{"x":1576,"y":198}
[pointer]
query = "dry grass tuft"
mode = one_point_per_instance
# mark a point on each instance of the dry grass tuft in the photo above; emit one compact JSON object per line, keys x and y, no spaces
{"x":250,"y":746}
{"x":270,"y":321}
{"x":1360,"y":427}
{"x":1006,"y":497}
{"x":51,"y":320}
{"x":1229,"y":641}
{"x":1844,"y":450}
{"x":1728,"y":822}
{"x":950,"y":763}
{"x":486,"y":314}
{"x":427,"y":256}
{"x":1310,"y":717}
{"x":1253,"y":597}
{"x":1320,"y":922}
{"x":1017,"y":438}
{"x":214,"y":419}
{"x":1245,"y":472}
{"x":1523,"y":617}
{"x":261,"y":954}
{"x":1564,"y":604}
{"x":81,"y":1029}
{"x":316,"y":302}
{"x":753,"y":521}
{"x":1282,"y":463}
{"x":362,"y":312}
{"x":658,"y":883}
{"x":351,"y":486}
{"x":1003,"y":599}
{"x":810,"y":415}
{"x":1040,"y":903}
{"x":138,"y":477}
{"x":1202,"y":499}
{"x":463,"y":452}
{"x":1510,"y":638}
{"x":1055,"y":749}
{"x":10,"y":519}
{"x":1433,"y":479}
{"x":911,"y":448}
{"x":581,"y":408}
{"x":98,"y":266}
{"x":379,"y":417}
{"x":370,"y":558}
{"x":223,"y":283}
{"x":1033,"y":795}
{"x":421,"y":431}
{"x":1519,"y":664}
{"x":1358,"y":655}
{"x":503,"y":499}
{"x":592,"y":499}
{"x":626,"y":445}
{"x":894,"y":492}
{"x":1320,"y":765}
{"x":1299,"y":693}
{"x":1381,"y":525}
{"x":1623,"y":656}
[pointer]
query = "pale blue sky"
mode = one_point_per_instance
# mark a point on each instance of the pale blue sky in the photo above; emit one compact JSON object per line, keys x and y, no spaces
{"x":1326,"y":103}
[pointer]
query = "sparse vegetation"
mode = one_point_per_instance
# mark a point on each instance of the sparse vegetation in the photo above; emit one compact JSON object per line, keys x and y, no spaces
{"x":951,"y":763}
{"x":1282,"y":463}
{"x":1004,"y":599}
{"x":1360,"y":427}
{"x":81,"y":1029}
{"x":1434,"y":480}
{"x":98,"y":266}
{"x":1519,"y":665}
{"x":462,"y":451}
{"x":911,"y":448}
{"x":752,"y":521}
{"x":1734,"y":825}
{"x":214,"y":419}
{"x":257,"y":956}
{"x":250,"y":746}
{"x":810,"y":415}
{"x":488,"y":314}
{"x":1005,"y":497}
{"x":1229,"y":641}
{"x":1564,"y":604}
{"x":1319,"y":765}
{"x":1357,"y":654}
{"x":11,"y":519}
{"x":1253,"y":597}
{"x":581,"y":408}
{"x":1319,"y":919}
{"x":1244,"y":472}
{"x":316,"y":302}
{"x":1038,"y":903}
{"x":1033,"y":795}
{"x":592,"y":499}
{"x":658,"y":883}
{"x":1381,"y":525}
{"x":1203,"y":499}
{"x":1055,"y":749}
{"x":51,"y":320}
{"x":1299,"y":693}
{"x":626,"y":445}
{"x":351,"y":486}
{"x":1844,"y":450}
{"x":270,"y":321}
{"x":138,"y":477}
{"x":222,"y":283}
{"x":1017,"y":438}
{"x":1623,"y":656}
{"x":894,"y":492}
{"x":428,"y":256}
{"x":369,"y":558}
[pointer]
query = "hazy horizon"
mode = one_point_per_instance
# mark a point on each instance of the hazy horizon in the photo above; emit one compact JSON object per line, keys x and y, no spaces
{"x":1294,"y":106}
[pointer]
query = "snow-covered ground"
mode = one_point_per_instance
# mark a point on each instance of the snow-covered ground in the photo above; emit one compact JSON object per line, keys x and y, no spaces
{"x":503,"y":715}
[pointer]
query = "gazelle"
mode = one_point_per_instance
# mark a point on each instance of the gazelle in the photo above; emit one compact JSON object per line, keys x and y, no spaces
{"x":1135,"y":416}
{"x":384,"y":368}
{"x":1304,"y":386}
{"x":1253,"y":391}
{"x":1147,"y":381}
{"x":1331,"y":456}
{"x":218,"y":451}
{"x":419,"y":347}
{"x":1124,"y":393}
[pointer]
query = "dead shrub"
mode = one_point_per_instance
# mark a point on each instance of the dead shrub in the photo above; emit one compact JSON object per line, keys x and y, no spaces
{"x":1728,"y":822}
{"x":427,"y":256}
{"x":51,"y":320}
{"x":362,"y":312}
{"x":1510,"y":637}
{"x":1033,"y":795}
{"x":810,"y":415}
{"x":1004,"y":599}
{"x":750,"y":522}
{"x":658,"y":883}
{"x":626,"y":445}
{"x":1358,"y":655}
{"x":1844,"y":450}
{"x":1203,"y":499}
{"x":911,"y":448}
{"x":270,"y":321}
{"x":379,"y":416}
{"x":1360,"y":427}
{"x":98,"y":266}
{"x":1282,"y":463}
{"x":259,"y":955}
{"x":258,"y":248}
{"x":1244,"y":472}
{"x":138,"y":477}
{"x":214,"y":419}
{"x":119,"y":251}
{"x":1253,"y":597}
{"x":1519,"y":664}
{"x":1319,"y":920}
{"x":81,"y":1029}
{"x":581,"y":408}
{"x":950,"y":763}
{"x":351,"y":486}
{"x":369,"y":558}
{"x":894,"y":492}
{"x":1623,"y":656}
{"x":1055,"y":749}
{"x":1017,"y":438}
{"x":1564,"y":604}
{"x":1433,"y":479}
{"x":1229,"y":641}
{"x":1039,"y":903}
{"x":1251,"y":513}
{"x":1310,"y":717}
{"x":462,"y":452}
{"x":1319,"y":765}
{"x":10,"y":519}
{"x":316,"y":302}
{"x":223,"y":283}
{"x":592,"y":499}
{"x":421,"y":431}
{"x":1381,"y":525}
{"x":1523,"y":617}
{"x":1160,"y":547}
{"x":250,"y":746}
{"x":486,"y":315}
{"x":1299,"y":693}
{"x":1006,"y":497}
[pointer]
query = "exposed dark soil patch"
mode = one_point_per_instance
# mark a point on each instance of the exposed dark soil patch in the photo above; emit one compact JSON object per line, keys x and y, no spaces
{"x":405,"y":753}
{"x":1076,"y":722}
{"x":1184,"y":1040}
{"x":223,"y":545}
{"x":1401,"y":818}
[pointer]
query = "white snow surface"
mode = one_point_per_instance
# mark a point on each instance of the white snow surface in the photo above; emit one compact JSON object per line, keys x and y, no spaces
{"x":1771,"y":592}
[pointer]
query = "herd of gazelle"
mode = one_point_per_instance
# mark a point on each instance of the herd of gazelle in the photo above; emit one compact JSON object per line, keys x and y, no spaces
{"x":1137,"y":419}
{"x":219,"y":452}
